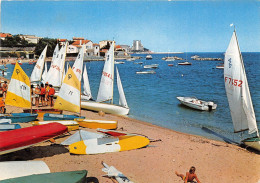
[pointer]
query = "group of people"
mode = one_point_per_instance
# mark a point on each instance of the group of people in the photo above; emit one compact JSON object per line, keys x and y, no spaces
{"x":3,"y":89}
{"x":43,"y":94}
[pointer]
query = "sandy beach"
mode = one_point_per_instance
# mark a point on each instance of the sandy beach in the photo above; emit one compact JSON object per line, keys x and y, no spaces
{"x":169,"y":151}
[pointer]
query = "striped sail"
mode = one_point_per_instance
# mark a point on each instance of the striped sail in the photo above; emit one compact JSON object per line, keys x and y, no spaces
{"x":19,"y":91}
{"x":38,"y":68}
{"x":237,"y":90}
{"x":105,"y":91}
{"x":86,"y":86}
{"x":69,"y":94}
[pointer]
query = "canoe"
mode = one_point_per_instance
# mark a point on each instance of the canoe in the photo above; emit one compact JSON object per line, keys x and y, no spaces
{"x":94,"y":124}
{"x":20,"y":117}
{"x":109,"y":144}
{"x":13,"y":169}
{"x":51,"y":117}
{"x":41,"y":112}
{"x":7,"y":127}
{"x":58,"y":177}
{"x":72,"y":125}
{"x":82,"y":135}
{"x":15,"y":140}
{"x":195,"y":103}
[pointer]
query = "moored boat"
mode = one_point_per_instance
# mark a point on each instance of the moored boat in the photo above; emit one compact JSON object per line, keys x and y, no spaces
{"x":51,"y":117}
{"x":152,"y":66}
{"x":57,"y":177}
{"x":146,"y":72}
{"x":148,"y":57}
{"x":72,"y":125}
{"x":19,"y":117}
{"x":220,"y":66}
{"x":15,"y":140}
{"x":195,"y":103}
{"x":184,"y":63}
{"x":14,"y":169}
{"x":41,"y":112}
{"x":94,"y":123}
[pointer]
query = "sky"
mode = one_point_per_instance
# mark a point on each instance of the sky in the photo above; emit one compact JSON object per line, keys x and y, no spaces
{"x":162,"y":26}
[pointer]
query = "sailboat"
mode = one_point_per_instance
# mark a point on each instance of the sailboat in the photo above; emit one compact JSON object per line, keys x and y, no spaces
{"x":105,"y":92}
{"x":86,"y":94}
{"x":19,"y":95}
{"x":36,"y":74}
{"x":238,"y":94}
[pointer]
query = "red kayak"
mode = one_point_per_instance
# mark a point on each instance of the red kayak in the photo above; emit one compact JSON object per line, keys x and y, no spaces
{"x":15,"y":140}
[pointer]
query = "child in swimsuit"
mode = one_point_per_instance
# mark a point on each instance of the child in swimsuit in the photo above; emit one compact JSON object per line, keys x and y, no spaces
{"x":190,"y":176}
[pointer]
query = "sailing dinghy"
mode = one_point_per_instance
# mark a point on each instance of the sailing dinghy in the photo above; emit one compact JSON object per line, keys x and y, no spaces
{"x":105,"y":92}
{"x":19,"y":95}
{"x":238,"y":94}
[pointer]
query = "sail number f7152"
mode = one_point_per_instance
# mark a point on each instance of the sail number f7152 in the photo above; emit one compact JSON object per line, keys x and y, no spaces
{"x":234,"y":82}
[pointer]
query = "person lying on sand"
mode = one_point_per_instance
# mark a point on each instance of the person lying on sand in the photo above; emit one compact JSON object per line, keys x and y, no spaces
{"x":190,"y":176}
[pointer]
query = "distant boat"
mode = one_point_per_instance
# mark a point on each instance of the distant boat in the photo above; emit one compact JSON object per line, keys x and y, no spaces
{"x":197,"y":104}
{"x":130,"y":59}
{"x":169,"y":59}
{"x":220,"y":66}
{"x":118,"y":62}
{"x":170,"y":65}
{"x":238,"y":94}
{"x":146,"y":72}
{"x":152,"y":66}
{"x":138,"y":63}
{"x":148,"y":57}
{"x":194,"y":57}
{"x":184,"y":63}
{"x":15,"y":140}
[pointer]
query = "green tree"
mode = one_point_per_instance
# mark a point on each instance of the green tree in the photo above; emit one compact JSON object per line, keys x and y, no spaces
{"x":42,"y":43}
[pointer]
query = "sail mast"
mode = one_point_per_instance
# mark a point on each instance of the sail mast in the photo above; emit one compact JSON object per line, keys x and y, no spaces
{"x":113,"y":69}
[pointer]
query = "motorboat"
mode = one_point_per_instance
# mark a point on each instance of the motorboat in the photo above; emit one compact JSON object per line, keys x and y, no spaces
{"x":184,"y":63}
{"x":146,"y":72}
{"x":119,"y":62}
{"x":195,"y":103}
{"x":149,"y":57}
{"x":220,"y":66}
{"x":167,"y":59}
{"x":152,"y":66}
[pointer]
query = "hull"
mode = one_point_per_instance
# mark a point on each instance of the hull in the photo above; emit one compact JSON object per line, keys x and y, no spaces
{"x":15,"y":140}
{"x":197,"y":104}
{"x":41,"y":112}
{"x":107,"y":108}
{"x":52,"y":117}
{"x":109,"y":144}
{"x":94,"y":124}
{"x":58,"y":177}
{"x":20,"y":117}
{"x":14,"y":169}
{"x":253,"y":143}
{"x":7,"y":127}
{"x":72,"y":125}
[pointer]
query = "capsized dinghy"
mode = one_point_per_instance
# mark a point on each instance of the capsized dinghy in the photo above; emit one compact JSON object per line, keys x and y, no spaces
{"x":94,"y":124}
{"x":51,"y":117}
{"x":14,"y":169}
{"x":72,"y":125}
{"x":7,"y":127}
{"x":20,"y":117}
{"x":195,"y":103}
{"x":57,"y":177}
{"x":15,"y":140}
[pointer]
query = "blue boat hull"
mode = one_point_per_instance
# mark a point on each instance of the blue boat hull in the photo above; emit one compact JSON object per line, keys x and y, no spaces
{"x":20,"y":117}
{"x":53,"y":117}
{"x":7,"y":127}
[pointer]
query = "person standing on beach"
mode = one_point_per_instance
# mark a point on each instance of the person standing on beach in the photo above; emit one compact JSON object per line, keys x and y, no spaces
{"x":47,"y":87}
{"x":42,"y":95}
{"x":4,"y":89}
{"x":51,"y":94}
{"x":2,"y":106}
{"x":190,"y":176}
{"x":37,"y":93}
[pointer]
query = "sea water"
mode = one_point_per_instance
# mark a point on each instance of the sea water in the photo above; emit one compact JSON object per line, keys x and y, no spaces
{"x":152,"y":97}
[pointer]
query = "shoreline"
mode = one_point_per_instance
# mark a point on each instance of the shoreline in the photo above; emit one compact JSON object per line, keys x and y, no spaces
{"x":169,"y":151}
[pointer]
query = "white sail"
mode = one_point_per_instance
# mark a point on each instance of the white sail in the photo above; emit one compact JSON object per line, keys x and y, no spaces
{"x":44,"y":74}
{"x":241,"y":108}
{"x":55,"y":53}
{"x":38,"y":68}
{"x":78,"y":64}
{"x":122,"y":99}
{"x":105,"y":91}
{"x":86,"y":86}
{"x":55,"y":74}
